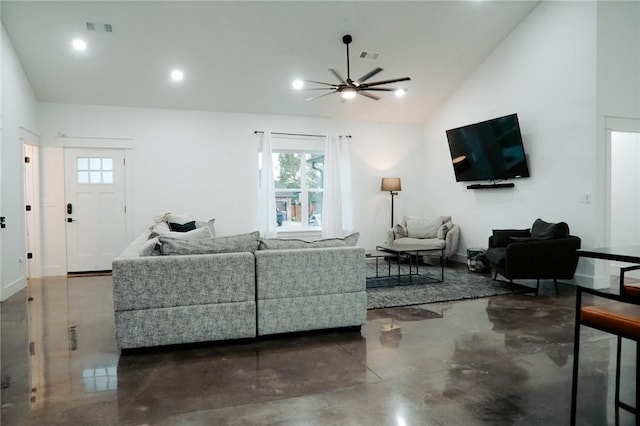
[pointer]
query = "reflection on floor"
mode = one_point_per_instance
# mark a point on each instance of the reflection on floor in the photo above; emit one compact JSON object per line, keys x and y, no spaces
{"x":495,"y":361}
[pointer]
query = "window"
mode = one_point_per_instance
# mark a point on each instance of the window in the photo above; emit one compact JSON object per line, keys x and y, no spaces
{"x":92,"y":170}
{"x":298,"y":182}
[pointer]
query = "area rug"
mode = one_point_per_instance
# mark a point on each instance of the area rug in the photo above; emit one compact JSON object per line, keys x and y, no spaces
{"x":459,"y":284}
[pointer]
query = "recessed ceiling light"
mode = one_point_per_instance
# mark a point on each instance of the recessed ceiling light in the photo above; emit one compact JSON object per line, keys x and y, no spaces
{"x":400,"y":92}
{"x":177,"y":75}
{"x":297,"y":84}
{"x":79,"y":44}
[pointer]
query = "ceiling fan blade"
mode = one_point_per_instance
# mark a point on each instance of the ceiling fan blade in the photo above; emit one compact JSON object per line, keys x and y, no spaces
{"x":338,"y":76}
{"x":377,"y":83}
{"x":319,"y":82}
{"x":319,"y":96}
{"x":368,"y":95}
{"x":368,"y":75}
{"x":379,"y":89}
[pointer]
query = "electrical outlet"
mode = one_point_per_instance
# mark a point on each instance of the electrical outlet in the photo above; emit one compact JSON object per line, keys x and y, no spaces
{"x":585,"y":198}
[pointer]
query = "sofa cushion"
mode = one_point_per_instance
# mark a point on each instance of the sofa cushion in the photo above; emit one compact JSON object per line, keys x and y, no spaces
{"x":501,"y":236}
{"x":542,"y":230}
{"x":289,"y":244}
{"x":423,"y":227}
{"x":230,"y":244}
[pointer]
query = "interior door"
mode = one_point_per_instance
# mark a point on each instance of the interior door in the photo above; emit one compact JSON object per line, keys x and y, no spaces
{"x":95,"y":207}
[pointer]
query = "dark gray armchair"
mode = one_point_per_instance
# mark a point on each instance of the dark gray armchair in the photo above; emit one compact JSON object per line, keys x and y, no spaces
{"x":546,"y":251}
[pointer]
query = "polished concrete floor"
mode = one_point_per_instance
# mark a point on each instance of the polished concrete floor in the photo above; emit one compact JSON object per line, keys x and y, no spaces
{"x":503,"y":360}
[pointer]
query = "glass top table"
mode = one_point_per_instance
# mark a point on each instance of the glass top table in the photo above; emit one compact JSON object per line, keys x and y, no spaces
{"x":410,"y":250}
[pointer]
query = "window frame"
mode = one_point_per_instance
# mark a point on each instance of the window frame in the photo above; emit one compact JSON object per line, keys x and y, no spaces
{"x":301,"y":146}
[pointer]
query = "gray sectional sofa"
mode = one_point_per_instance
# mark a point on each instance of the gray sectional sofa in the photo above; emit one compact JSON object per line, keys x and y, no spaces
{"x":184,"y":298}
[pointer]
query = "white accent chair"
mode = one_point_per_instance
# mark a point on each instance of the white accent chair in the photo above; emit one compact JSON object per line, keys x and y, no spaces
{"x":433,"y":233}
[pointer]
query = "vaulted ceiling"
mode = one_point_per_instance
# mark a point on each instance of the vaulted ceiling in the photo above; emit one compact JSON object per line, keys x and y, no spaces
{"x":242,"y":56}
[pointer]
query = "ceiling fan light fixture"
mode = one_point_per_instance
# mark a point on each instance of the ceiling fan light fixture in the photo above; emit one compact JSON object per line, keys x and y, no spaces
{"x":400,"y":92}
{"x":348,"y":93}
{"x":297,"y":84}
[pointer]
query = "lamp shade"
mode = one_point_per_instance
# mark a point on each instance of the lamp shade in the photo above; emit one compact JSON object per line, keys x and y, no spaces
{"x":391,"y":184}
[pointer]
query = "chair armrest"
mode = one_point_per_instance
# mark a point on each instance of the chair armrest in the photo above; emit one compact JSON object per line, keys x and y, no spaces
{"x":451,"y":241}
{"x":390,"y":236}
{"x":555,"y":258}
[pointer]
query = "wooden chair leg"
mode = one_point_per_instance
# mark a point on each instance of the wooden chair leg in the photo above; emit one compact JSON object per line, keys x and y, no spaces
{"x":555,"y":283}
{"x":537,"y":287}
{"x":495,"y":275}
{"x":576,"y":359}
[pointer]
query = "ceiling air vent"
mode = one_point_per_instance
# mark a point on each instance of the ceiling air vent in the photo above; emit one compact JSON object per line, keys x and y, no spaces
{"x":369,"y":55}
{"x":94,"y":26}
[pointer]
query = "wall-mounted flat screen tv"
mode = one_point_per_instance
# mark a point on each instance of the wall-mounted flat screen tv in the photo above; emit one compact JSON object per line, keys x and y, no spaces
{"x":490,"y":150}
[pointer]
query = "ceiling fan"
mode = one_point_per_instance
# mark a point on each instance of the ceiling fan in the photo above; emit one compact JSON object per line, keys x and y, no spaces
{"x":349,"y":88}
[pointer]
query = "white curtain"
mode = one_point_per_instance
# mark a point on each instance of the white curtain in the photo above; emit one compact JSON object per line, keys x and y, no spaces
{"x":267,"y":224}
{"x":337,"y":205}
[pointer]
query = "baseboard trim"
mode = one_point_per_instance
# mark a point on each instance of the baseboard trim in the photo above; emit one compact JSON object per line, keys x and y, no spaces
{"x":14,"y":287}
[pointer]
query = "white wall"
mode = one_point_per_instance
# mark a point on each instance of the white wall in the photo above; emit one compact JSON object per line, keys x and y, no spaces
{"x":205,"y":163}
{"x":545,"y":72}
{"x":18,"y":113}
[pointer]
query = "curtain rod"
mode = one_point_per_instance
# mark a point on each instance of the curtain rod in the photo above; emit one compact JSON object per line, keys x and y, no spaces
{"x":296,"y":134}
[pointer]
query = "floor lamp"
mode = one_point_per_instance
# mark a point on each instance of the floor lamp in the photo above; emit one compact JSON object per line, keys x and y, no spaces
{"x":392,"y":185}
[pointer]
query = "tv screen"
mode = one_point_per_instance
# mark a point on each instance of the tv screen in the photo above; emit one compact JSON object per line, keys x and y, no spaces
{"x":489,"y":150}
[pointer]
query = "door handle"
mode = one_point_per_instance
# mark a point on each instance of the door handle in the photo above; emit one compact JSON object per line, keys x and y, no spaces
{"x":69,"y":208}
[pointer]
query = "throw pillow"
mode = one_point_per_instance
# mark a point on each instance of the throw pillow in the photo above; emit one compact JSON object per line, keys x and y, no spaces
{"x":421,"y":227}
{"x":211,"y":226}
{"x":160,"y":228}
{"x":162,"y":217}
{"x":230,"y":244}
{"x":400,"y":231}
{"x":194,"y":234}
{"x":181,"y":222}
{"x":501,"y":236}
{"x":182,"y":227}
{"x":151,"y":247}
{"x":542,"y":230}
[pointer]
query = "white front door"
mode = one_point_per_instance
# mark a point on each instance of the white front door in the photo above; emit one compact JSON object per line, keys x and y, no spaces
{"x":95,"y":209}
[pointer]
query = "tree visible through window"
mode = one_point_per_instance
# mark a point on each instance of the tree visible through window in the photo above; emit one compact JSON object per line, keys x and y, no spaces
{"x":298,"y":182}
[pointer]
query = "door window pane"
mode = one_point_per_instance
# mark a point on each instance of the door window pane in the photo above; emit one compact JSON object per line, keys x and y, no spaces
{"x":83,"y":163}
{"x":83,"y":177}
{"x":94,"y":164}
{"x":94,"y":170}
{"x":107,"y":164}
